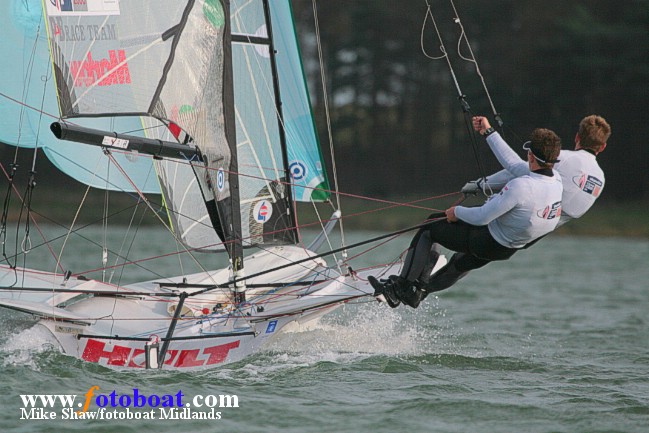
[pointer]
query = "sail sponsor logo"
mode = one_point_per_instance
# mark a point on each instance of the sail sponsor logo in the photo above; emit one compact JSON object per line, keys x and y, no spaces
{"x":262,"y":211}
{"x":79,"y":33}
{"x":180,"y":116}
{"x":589,"y":184}
{"x":82,"y":7}
{"x":220,"y":179}
{"x":550,"y":212}
{"x":65,"y":5}
{"x":213,"y":12}
{"x":298,"y":170}
{"x":101,"y":72}
{"x":123,"y":356}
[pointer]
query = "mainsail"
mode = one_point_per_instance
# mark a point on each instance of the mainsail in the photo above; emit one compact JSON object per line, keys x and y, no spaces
{"x":167,"y":64}
{"x":142,"y":68}
{"x":29,"y":105}
{"x":276,"y":139}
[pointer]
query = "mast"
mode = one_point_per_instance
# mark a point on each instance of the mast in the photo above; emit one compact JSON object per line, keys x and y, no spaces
{"x":231,"y":206}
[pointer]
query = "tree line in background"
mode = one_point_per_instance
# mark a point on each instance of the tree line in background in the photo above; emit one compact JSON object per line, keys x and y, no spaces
{"x":399,"y":128}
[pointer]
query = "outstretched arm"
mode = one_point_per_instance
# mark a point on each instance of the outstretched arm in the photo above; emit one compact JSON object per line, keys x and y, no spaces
{"x":505,"y":155}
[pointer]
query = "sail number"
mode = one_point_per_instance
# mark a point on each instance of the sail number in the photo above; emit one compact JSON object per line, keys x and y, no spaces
{"x":115,"y":142}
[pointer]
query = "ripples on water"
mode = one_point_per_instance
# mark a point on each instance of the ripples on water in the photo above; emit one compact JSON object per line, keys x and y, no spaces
{"x":555,"y":340}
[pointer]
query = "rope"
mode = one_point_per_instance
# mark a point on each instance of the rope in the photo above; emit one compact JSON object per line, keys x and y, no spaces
{"x":31,"y":184}
{"x":5,"y":211}
{"x":472,"y":59}
{"x":431,"y":218}
{"x":442,"y":47}
{"x":462,"y":98}
{"x":14,"y":166}
{"x":325,"y":99}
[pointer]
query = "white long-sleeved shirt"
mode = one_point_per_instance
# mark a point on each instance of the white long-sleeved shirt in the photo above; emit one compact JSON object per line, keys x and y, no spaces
{"x":583,"y":179}
{"x":527,"y":208}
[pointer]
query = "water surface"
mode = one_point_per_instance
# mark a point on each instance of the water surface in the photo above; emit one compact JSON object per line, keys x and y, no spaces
{"x":554,"y":340}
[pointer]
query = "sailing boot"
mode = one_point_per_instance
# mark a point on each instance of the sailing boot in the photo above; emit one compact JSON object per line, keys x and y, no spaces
{"x":386,"y":288}
{"x":445,"y":277}
{"x":411,"y":293}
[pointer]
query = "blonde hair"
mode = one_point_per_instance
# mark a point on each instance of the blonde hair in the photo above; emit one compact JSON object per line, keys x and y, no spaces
{"x":594,"y":132}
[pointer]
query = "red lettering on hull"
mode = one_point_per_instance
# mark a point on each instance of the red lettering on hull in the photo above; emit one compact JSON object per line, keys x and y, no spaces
{"x":124,"y":356}
{"x":95,"y":351}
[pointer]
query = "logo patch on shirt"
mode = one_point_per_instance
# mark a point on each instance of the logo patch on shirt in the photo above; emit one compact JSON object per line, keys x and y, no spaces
{"x":550,"y":212}
{"x":589,"y":184}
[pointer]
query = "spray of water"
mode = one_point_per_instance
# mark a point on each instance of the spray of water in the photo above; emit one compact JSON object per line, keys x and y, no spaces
{"x":22,"y":348}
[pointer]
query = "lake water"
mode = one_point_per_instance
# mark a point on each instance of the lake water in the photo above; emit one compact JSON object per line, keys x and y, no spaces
{"x":554,"y":340}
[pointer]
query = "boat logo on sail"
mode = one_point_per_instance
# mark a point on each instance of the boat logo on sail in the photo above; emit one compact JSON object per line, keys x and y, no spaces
{"x":220,"y":179}
{"x":262,"y":211}
{"x":298,"y":170}
{"x":102,"y":72}
{"x":82,"y":7}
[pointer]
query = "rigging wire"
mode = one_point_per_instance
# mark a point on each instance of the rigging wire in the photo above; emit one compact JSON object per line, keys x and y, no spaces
{"x":146,"y":201}
{"x":338,"y":194}
{"x":391,"y":204}
{"x":343,"y":249}
{"x":14,"y":165}
{"x":5,"y":212}
{"x":104,"y":223}
{"x":461,"y":96}
{"x":431,"y":219}
{"x":325,"y":99}
{"x":26,"y":245}
{"x":472,"y":59}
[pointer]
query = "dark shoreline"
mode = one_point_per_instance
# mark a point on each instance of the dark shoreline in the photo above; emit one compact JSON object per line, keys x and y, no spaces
{"x":629,"y":219}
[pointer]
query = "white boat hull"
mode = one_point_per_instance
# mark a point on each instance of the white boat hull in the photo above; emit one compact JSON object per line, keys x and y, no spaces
{"x":116,"y":330}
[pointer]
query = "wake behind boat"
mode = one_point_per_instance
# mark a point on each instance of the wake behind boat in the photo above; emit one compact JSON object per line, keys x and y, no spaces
{"x":212,"y":113}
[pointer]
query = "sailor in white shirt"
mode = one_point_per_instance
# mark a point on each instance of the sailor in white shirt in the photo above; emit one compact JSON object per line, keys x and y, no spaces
{"x":583,"y":179}
{"x":528,"y":207}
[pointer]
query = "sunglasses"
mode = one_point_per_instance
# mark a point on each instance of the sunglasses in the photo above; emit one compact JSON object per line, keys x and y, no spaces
{"x":528,"y":146}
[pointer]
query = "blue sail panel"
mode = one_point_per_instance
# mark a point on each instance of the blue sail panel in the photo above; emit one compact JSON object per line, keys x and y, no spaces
{"x":304,"y":157}
{"x":267,"y":217}
{"x":29,"y":105}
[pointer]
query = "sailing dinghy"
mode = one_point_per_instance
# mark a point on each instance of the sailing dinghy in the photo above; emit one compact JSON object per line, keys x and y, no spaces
{"x":211,"y":109}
